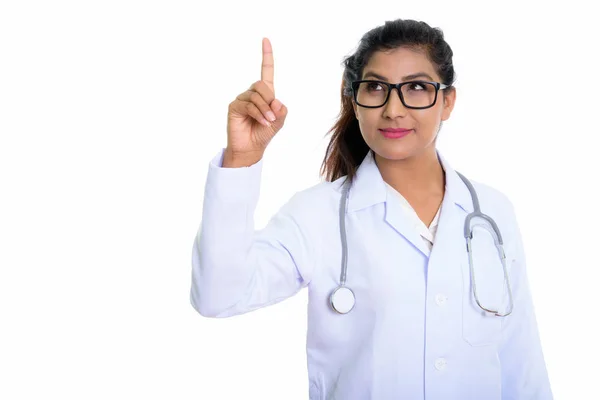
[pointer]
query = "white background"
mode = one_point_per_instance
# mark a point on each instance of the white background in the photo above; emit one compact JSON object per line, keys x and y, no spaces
{"x":110,"y":112}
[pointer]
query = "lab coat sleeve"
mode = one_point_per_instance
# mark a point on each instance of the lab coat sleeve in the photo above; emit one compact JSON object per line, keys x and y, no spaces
{"x":524,"y":374}
{"x":235,"y":268}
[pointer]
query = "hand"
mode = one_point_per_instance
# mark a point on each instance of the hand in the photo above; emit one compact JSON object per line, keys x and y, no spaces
{"x":249,"y":129}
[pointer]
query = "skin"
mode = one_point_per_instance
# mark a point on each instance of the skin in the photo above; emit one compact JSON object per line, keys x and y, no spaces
{"x":249,"y":131}
{"x":409,"y":164}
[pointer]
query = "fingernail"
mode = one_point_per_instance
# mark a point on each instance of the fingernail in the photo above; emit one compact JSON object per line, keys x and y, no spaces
{"x":271,"y":116}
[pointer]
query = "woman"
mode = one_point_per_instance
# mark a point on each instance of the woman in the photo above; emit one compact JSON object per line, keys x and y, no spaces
{"x":408,"y":321}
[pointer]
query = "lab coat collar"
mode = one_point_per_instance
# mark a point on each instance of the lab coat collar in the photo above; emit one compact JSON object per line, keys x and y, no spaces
{"x":369,"y":187}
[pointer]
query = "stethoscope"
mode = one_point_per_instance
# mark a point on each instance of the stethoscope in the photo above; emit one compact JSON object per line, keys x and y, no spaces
{"x":342,"y":299}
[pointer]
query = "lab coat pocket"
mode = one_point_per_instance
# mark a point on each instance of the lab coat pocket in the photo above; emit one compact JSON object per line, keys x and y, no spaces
{"x":482,"y":328}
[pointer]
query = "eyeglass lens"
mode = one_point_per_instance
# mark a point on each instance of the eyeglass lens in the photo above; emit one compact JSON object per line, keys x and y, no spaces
{"x":416,"y":94}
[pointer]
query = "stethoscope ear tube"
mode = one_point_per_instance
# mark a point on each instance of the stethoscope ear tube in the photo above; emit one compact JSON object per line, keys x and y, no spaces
{"x":343,"y":208}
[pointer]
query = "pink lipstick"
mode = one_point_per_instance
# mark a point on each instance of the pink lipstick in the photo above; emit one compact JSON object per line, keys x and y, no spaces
{"x":395,"y":133}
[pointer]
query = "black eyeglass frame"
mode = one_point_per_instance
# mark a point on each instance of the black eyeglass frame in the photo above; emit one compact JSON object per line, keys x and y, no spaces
{"x":398,"y":86}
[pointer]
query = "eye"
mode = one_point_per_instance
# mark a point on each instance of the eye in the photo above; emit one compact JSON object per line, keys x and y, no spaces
{"x":372,"y":86}
{"x":416,"y":86}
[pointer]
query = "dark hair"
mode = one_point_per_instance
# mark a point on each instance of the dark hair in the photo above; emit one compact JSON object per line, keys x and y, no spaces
{"x":347,"y":148}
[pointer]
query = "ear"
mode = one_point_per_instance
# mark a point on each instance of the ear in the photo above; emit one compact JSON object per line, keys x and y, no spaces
{"x":354,"y":107}
{"x":449,"y":99}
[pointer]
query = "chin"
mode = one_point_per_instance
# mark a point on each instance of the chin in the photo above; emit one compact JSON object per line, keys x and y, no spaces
{"x":391,"y":152}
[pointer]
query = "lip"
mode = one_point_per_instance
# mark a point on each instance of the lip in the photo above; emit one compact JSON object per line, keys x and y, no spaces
{"x":395,"y":133}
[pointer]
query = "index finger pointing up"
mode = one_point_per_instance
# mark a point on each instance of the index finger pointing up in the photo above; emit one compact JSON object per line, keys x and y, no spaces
{"x":266,"y":73}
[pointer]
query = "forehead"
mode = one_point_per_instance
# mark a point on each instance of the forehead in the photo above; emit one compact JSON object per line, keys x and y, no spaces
{"x":394,"y":64}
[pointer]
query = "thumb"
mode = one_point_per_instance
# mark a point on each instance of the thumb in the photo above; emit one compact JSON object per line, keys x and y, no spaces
{"x":280,"y":112}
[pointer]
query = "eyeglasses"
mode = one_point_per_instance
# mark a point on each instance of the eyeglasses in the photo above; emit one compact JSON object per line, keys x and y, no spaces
{"x":413,"y":94}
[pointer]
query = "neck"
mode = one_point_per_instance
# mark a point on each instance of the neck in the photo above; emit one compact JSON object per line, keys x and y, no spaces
{"x":414,"y":177}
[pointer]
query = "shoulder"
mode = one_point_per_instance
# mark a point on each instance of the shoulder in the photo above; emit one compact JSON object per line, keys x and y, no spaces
{"x":499,"y":206}
{"x":492,"y":197}
{"x":315,"y":209}
{"x":318,"y":199}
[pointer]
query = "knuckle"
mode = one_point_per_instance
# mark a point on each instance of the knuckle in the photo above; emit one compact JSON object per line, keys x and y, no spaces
{"x":266,"y":92}
{"x":264,"y":84}
{"x":255,"y":97}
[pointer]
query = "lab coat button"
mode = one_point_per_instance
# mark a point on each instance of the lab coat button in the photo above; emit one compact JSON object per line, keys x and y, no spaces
{"x":440,"y":299}
{"x":440,"y":364}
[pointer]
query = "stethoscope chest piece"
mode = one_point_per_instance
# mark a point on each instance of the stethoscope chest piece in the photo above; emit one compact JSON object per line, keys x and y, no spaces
{"x":342,"y":299}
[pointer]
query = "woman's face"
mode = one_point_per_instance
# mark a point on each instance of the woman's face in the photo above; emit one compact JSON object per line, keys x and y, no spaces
{"x":396,"y":66}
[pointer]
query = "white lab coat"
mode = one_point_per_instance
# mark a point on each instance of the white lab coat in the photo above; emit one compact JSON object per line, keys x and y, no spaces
{"x":415,"y":331}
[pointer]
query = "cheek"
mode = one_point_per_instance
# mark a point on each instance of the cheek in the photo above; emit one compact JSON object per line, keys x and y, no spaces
{"x":426,"y":119}
{"x":368,"y":128}
{"x":369,"y":120}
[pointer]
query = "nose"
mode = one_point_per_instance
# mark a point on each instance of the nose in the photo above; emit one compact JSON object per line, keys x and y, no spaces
{"x":394,"y":107}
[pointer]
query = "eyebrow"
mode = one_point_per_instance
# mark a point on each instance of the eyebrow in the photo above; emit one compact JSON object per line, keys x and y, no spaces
{"x":406,"y":78}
